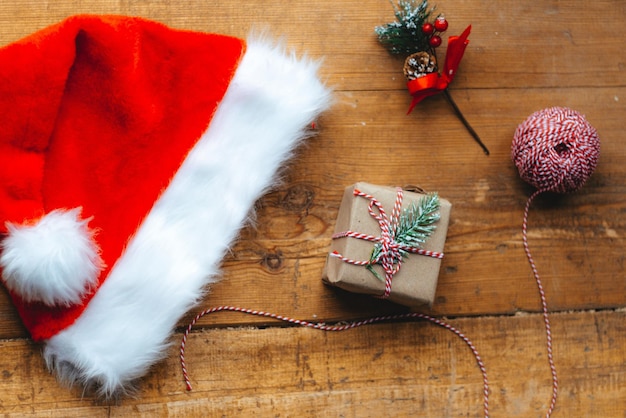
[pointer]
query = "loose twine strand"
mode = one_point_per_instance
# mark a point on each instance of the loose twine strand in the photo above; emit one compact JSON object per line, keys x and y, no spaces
{"x":344,"y":327}
{"x":544,"y":305}
{"x":390,"y":259}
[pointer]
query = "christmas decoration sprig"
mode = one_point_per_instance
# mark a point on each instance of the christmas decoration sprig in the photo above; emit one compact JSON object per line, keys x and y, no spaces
{"x":413,"y":34}
{"x":415,"y":224}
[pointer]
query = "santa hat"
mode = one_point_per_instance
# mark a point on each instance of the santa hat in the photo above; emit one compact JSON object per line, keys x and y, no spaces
{"x":130,"y":156}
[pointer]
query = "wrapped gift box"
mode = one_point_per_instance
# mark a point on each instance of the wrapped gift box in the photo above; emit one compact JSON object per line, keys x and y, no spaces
{"x":416,"y":281}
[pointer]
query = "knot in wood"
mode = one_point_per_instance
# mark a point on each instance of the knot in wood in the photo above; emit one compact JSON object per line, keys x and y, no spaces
{"x":298,"y":198}
{"x":273,"y":261}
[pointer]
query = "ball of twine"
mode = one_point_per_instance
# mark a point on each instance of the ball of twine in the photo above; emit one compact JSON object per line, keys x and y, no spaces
{"x":555,"y":149}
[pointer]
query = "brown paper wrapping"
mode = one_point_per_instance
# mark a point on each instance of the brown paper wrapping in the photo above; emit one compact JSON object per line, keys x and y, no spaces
{"x":416,"y":282}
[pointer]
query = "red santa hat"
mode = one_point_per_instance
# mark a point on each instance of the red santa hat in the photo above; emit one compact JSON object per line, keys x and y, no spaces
{"x":130,"y":156}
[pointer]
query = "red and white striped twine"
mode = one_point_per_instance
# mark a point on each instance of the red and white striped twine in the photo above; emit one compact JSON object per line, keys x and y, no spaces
{"x":556,"y":150}
{"x":343,"y":327}
{"x":390,"y":257}
{"x":544,"y":305}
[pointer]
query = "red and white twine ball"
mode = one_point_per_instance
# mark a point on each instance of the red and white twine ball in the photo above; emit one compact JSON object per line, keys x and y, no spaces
{"x":556,"y":149}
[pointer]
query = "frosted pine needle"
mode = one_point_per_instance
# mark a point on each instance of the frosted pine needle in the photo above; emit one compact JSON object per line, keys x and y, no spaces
{"x":405,"y":36}
{"x":415,"y":225}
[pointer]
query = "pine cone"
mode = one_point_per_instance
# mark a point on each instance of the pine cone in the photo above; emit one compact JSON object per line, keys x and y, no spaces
{"x":419,"y":64}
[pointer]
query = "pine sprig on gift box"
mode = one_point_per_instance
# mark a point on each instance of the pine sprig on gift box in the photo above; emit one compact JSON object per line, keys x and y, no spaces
{"x":415,"y":224}
{"x":405,"y":36}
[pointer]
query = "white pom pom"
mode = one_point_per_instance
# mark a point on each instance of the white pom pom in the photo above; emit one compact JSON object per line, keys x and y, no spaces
{"x":54,"y":261}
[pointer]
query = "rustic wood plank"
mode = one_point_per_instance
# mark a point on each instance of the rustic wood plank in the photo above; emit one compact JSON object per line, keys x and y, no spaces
{"x":545,"y":44}
{"x":400,"y":369}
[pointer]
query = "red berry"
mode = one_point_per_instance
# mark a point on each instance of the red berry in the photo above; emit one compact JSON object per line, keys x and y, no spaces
{"x":428,"y":28}
{"x":441,"y":24}
{"x":435,"y":41}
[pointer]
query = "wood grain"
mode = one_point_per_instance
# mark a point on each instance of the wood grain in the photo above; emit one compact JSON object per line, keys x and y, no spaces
{"x":521,"y":58}
{"x":394,"y":369}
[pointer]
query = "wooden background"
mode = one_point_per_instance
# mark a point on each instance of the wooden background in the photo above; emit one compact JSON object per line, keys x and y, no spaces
{"x":523,"y":56}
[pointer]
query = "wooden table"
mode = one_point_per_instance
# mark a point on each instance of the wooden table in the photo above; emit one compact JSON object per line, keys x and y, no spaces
{"x":523,"y":56}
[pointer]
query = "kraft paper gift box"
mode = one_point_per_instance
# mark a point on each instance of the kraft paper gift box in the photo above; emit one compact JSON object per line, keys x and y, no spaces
{"x":415,"y":282}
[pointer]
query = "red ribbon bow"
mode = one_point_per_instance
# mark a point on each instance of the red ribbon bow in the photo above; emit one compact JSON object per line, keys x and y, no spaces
{"x":434,"y":83}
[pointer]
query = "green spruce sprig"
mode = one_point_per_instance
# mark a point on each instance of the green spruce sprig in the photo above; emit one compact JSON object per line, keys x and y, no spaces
{"x":405,"y":36}
{"x":415,"y":225}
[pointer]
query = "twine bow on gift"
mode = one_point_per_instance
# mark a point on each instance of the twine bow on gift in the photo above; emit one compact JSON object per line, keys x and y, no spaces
{"x":391,"y":251}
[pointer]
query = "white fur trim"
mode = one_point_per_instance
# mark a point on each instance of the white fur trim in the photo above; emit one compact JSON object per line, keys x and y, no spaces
{"x":272,"y":99}
{"x":54,"y":261}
